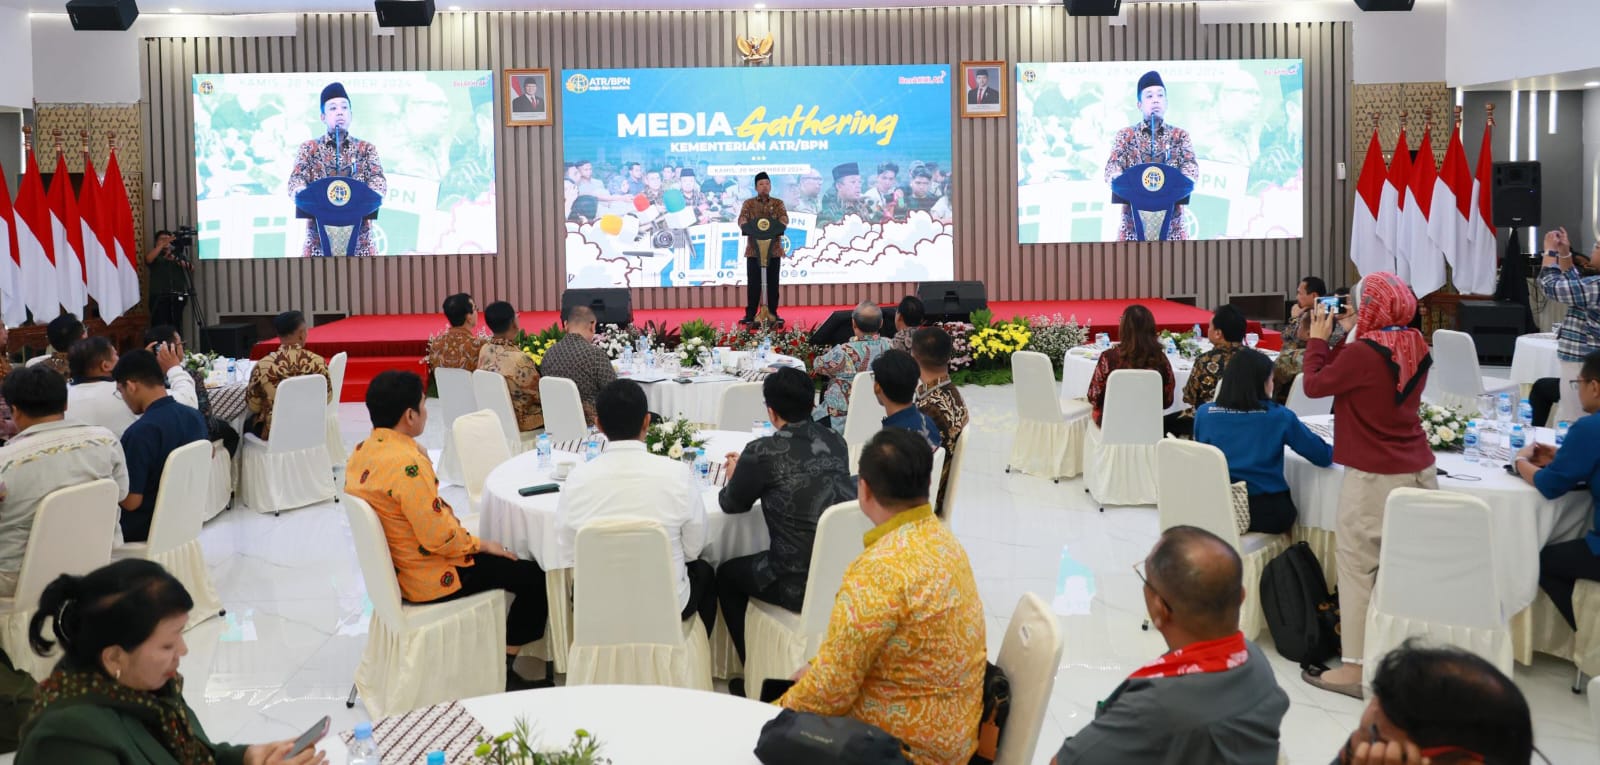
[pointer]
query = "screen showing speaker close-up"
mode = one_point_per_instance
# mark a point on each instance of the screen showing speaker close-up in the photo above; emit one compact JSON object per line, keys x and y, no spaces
{"x":1160,"y":150}
{"x":408,"y":156}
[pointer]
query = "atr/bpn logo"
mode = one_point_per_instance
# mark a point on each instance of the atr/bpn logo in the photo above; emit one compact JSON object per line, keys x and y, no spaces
{"x":1153,"y":179}
{"x":339,"y":193}
{"x":206,"y":87}
{"x":577,"y":83}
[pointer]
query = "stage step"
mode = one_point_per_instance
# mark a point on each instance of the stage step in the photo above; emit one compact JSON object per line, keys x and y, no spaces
{"x":360,"y":370}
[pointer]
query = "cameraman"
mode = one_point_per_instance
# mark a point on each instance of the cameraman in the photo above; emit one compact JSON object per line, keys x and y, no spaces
{"x":169,"y":280}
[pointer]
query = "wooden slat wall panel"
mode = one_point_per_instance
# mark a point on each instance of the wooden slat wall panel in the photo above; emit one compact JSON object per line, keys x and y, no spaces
{"x":530,"y":270}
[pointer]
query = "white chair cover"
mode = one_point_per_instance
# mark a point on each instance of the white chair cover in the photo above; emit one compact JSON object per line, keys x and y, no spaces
{"x":174,"y":540}
{"x":73,"y":531}
{"x":336,"y":365}
{"x":958,"y":458}
{"x":482,"y":450}
{"x":491,"y":393}
{"x":865,"y":417}
{"x":1050,"y":432}
{"x":1594,"y":704}
{"x":933,"y":482}
{"x":1119,"y":465}
{"x":1586,"y":641}
{"x":742,"y":404}
{"x":292,"y":468}
{"x":219,"y":490}
{"x":421,"y":655}
{"x":1456,"y":379}
{"x":1029,"y":656}
{"x":455,"y":399}
{"x":779,"y":641}
{"x":626,"y":629}
{"x":1306,"y":406}
{"x":1436,"y":579}
{"x":563,"y":409}
{"x":1194,"y":491}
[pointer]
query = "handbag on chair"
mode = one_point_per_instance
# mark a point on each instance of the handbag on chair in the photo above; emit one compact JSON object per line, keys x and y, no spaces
{"x":802,"y":738}
{"x":996,"y":708}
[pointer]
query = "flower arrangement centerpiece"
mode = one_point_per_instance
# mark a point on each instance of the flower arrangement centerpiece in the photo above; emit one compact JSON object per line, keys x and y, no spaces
{"x":1053,"y":336}
{"x":673,"y":438}
{"x":1188,"y":342}
{"x":694,"y":337}
{"x":517,"y":747}
{"x":659,"y":336}
{"x":960,"y":351}
{"x":1445,"y":427}
{"x":199,"y":363}
{"x":790,"y":340}
{"x":614,"y":339}
{"x":537,"y":344}
{"x":992,"y":344}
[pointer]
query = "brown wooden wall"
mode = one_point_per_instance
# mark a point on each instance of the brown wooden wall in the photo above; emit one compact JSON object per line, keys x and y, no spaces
{"x":529,"y":270}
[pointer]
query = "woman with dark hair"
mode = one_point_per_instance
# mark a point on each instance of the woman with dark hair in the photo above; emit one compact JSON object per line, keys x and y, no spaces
{"x":1251,"y":430}
{"x":1137,"y":348}
{"x":116,"y":696}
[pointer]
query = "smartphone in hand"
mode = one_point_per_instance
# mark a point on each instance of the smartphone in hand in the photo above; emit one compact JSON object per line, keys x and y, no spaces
{"x":310,"y":737}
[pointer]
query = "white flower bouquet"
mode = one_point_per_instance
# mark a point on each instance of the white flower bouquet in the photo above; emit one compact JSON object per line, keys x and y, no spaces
{"x":614,"y":340}
{"x":1445,"y":427}
{"x":690,"y":349}
{"x":673,"y":438}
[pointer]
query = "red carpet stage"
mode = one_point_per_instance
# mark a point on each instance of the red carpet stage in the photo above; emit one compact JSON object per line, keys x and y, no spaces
{"x":398,"y":341}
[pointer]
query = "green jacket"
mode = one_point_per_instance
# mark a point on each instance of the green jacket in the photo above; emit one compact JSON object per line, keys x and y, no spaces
{"x":88,"y":733}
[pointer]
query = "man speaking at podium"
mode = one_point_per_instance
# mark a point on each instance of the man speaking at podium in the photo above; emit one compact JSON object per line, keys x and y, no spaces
{"x":337,"y":154}
{"x":762,"y":205}
{"x":1153,"y":140}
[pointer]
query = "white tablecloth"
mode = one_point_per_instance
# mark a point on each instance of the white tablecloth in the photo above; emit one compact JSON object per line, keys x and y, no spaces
{"x":527,"y":525}
{"x":1078,"y":370}
{"x":1524,"y":521}
{"x":1535,"y":358}
{"x":700,"y":400}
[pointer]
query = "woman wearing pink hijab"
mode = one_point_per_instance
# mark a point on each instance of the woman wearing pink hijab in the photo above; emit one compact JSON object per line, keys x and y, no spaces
{"x":1376,"y":379}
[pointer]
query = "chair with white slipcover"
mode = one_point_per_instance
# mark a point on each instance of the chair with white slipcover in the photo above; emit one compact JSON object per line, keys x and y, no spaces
{"x":1303,"y":405}
{"x":491,"y":391}
{"x":219,"y":490}
{"x":864,"y":418}
{"x":563,"y":409}
{"x":1119,"y":461}
{"x":1456,"y":378}
{"x":1050,"y":431}
{"x":174,"y":539}
{"x":336,"y":366}
{"x":958,"y":458}
{"x":741,"y":406}
{"x":291,"y":468}
{"x":456,"y":398}
{"x":1029,"y":655}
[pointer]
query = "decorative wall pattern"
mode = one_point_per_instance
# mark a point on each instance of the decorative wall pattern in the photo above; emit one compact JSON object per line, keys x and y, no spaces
{"x":1389,"y":101}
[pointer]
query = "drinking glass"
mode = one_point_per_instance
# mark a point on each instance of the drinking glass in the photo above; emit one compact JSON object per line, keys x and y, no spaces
{"x":1251,"y":339}
{"x":1486,"y":408}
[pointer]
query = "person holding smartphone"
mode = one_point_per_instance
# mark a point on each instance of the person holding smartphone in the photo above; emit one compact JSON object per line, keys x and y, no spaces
{"x":1562,"y":280}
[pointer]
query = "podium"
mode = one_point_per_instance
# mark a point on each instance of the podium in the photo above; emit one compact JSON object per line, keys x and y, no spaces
{"x":1153,"y":190}
{"x":337,"y":205}
{"x":764,"y":231}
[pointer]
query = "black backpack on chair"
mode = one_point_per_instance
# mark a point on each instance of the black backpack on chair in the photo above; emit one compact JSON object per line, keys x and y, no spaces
{"x":1302,"y":617}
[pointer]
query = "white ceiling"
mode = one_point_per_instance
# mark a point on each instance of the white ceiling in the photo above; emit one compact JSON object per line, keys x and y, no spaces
{"x":304,"y":6}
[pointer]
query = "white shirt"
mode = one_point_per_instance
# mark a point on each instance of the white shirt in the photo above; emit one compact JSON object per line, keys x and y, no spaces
{"x":96,"y":403}
{"x":46,"y":457}
{"x":626,"y":480}
{"x":180,"y":385}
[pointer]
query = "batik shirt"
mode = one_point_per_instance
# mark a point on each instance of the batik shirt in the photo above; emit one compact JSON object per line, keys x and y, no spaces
{"x":8,"y":426}
{"x":756,"y":208}
{"x":504,"y":358}
{"x":1132,"y":146}
{"x":1206,"y":375}
{"x":358,"y":159}
{"x":944,"y":404}
{"x":58,"y":362}
{"x":278,"y":366}
{"x":393,"y":474}
{"x":842,"y":364}
{"x":582,"y":362}
{"x":905,"y":648}
{"x":457,"y":348}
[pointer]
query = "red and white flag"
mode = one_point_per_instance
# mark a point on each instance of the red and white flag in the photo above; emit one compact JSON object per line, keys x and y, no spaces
{"x":1393,"y":203}
{"x":67,"y":230}
{"x":36,"y":249}
{"x":12,"y":311}
{"x":1424,"y":260}
{"x":99,"y":248}
{"x":1475,"y":267}
{"x":119,"y":216}
{"x":1452,"y":206}
{"x":1367,"y":250}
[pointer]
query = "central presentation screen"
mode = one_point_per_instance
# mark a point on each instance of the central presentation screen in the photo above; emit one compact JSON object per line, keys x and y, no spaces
{"x":659,"y":161}
{"x":1231,"y":128}
{"x":422,"y":141}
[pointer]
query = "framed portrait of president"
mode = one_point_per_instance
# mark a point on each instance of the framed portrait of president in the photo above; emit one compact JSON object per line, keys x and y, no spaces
{"x":983,"y":89}
{"x":527,"y":97}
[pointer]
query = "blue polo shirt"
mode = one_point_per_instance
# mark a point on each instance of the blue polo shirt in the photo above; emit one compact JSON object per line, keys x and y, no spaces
{"x":164,"y":426}
{"x":912,"y":419}
{"x":1253,"y":442}
{"x":1576,"y":462}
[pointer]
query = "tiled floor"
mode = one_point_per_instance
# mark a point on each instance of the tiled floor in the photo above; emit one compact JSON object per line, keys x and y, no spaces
{"x":286,"y":651}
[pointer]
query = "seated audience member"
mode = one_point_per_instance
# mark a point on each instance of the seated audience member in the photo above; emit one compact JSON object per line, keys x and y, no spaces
{"x":1555,"y":472}
{"x":8,"y":427}
{"x":909,"y":317}
{"x":1297,"y":332}
{"x":458,"y":347}
{"x":1138,"y":347}
{"x":164,"y":342}
{"x":627,"y":480}
{"x":1212,"y":698}
{"x":1442,"y":706}
{"x":905,"y":648}
{"x":894,"y":382}
{"x":92,"y":399}
{"x":844,"y":361}
{"x":504,"y":357}
{"x":50,"y":453}
{"x":1227,"y":338}
{"x":115,"y":695}
{"x":162,"y":426}
{"x":62,"y":332}
{"x":435,"y":558}
{"x":795,"y":473}
{"x":937,"y":398}
{"x":1251,"y":430}
{"x":291,"y":359}
{"x":578,"y":359}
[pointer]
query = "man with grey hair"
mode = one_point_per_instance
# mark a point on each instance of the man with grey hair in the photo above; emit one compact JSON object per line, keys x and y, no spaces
{"x":843,"y":362}
{"x":577,"y":358}
{"x":1212,"y":698}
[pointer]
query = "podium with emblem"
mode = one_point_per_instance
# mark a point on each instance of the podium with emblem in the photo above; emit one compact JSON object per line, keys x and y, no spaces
{"x":338,"y":205}
{"x":1153,"y":190}
{"x":764,"y":231}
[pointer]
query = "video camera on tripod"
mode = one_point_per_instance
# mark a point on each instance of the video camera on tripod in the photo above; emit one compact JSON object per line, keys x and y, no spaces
{"x":182,"y":240}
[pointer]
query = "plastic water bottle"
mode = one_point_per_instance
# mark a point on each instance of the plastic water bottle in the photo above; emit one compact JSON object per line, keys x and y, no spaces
{"x":233,"y":371}
{"x":758,"y":427}
{"x":650,"y":357}
{"x":1172,"y":346}
{"x":363,"y":750}
{"x":1197,"y":333}
{"x":767,"y":429}
{"x":716,"y":358}
{"x":1503,"y":407}
{"x":702,"y":467}
{"x":591,"y":445}
{"x":543,"y":449}
{"x":1519,"y":438}
{"x":1469,"y":442}
{"x":627,"y":359}
{"x":1525,"y":413}
{"x":1561,"y":432}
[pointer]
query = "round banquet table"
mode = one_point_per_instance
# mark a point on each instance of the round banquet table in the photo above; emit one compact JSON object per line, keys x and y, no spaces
{"x":1535,"y":358}
{"x":699,"y":400}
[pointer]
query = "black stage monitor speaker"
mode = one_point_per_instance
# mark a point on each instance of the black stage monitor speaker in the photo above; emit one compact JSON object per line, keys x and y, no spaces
{"x":231,"y":340}
{"x":1494,"y":326}
{"x":837,"y":328}
{"x":102,"y":15}
{"x":1093,"y":7}
{"x":1386,"y":5}
{"x":952,"y":301}
{"x":404,"y":13}
{"x":610,"y":306}
{"x":1516,"y":194}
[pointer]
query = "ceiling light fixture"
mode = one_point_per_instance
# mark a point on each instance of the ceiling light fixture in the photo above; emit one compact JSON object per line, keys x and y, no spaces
{"x":174,"y":10}
{"x":455,"y":7}
{"x":1592,"y":84}
{"x":760,"y":6}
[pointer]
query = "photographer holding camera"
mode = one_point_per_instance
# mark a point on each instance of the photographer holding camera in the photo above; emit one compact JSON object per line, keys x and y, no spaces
{"x":169,"y":266}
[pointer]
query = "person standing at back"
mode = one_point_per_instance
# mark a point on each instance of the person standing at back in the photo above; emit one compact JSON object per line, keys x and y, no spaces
{"x":162,"y":427}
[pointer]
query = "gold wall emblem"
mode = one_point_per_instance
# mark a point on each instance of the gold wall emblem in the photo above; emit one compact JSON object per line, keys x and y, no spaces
{"x":755,"y":51}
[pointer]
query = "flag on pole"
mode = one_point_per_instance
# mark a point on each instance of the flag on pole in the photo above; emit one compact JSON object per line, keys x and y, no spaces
{"x":99,"y":249}
{"x":1367,"y":250}
{"x":67,"y":231}
{"x":1452,"y":206}
{"x":12,"y":311}
{"x":1476,"y":266}
{"x":119,"y":217}
{"x":36,"y":246}
{"x":1424,"y":269}
{"x":1393,"y":203}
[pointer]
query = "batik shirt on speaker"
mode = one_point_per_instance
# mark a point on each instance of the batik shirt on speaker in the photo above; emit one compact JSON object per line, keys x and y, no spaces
{"x":356,"y":159}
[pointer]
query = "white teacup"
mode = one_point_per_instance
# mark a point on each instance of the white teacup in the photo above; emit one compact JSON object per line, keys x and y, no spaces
{"x":562,"y":470}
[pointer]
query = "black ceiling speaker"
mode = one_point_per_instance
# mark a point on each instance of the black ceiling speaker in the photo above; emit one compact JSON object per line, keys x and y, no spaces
{"x":404,"y":13}
{"x":1093,"y":7}
{"x":102,"y":15}
{"x":1386,"y":5}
